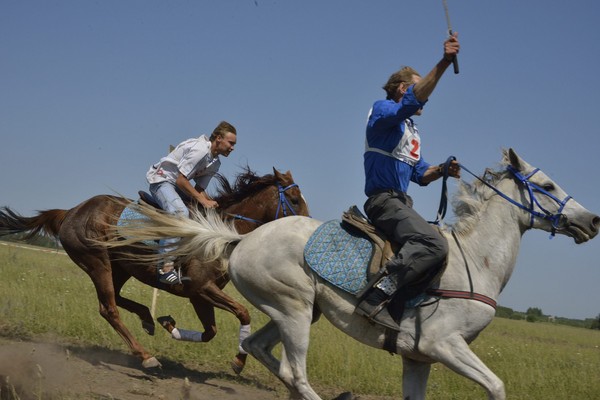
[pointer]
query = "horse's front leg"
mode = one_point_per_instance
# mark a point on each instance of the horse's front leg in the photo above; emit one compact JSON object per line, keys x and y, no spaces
{"x":414,"y":379}
{"x":220,"y":299}
{"x":455,"y":353}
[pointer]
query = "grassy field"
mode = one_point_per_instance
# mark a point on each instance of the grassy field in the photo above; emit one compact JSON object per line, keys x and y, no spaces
{"x":45,"y":294}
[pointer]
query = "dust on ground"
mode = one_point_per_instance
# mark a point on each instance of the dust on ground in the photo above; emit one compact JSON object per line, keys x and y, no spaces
{"x":57,"y":371}
{"x":52,"y":369}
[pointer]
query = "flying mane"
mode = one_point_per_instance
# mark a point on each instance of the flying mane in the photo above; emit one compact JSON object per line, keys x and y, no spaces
{"x":245,"y":185}
{"x":468,"y":202}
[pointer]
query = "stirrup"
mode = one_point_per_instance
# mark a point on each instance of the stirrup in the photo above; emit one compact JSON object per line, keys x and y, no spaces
{"x":371,"y":283}
{"x":374,"y":307}
{"x":181,"y":277}
{"x":381,"y":315}
{"x":372,"y":313}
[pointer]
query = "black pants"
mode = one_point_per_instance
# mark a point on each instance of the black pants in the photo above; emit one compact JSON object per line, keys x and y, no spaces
{"x":422,"y":247}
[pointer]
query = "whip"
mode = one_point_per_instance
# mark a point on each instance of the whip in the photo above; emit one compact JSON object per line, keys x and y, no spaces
{"x":455,"y":58}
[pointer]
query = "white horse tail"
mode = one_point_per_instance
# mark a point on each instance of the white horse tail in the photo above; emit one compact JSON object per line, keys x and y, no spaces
{"x":207,"y":237}
{"x":214,"y":237}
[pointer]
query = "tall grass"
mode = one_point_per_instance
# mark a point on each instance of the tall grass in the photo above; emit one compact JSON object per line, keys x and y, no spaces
{"x":47,"y":295}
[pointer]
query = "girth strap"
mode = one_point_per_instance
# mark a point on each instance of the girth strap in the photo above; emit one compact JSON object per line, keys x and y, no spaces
{"x":460,"y":294}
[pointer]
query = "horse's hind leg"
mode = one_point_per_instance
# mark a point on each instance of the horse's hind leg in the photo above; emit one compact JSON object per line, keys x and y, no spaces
{"x":119,"y":278}
{"x":98,"y":268}
{"x":291,"y":370}
{"x":260,"y":345}
{"x":294,"y":337}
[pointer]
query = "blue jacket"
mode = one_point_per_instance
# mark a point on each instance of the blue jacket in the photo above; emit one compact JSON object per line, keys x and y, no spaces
{"x":385,"y":128}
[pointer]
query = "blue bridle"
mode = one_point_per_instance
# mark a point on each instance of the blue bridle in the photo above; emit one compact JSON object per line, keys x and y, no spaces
{"x":282,"y":206}
{"x":555,"y":218}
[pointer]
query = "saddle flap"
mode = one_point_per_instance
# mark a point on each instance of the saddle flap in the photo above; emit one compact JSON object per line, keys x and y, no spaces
{"x":382,"y":250}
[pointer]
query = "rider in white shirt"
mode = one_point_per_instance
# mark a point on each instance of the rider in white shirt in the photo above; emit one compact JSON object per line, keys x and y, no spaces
{"x":169,"y":180}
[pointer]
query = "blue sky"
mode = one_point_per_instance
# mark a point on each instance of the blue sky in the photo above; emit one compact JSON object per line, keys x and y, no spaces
{"x":93,"y":92}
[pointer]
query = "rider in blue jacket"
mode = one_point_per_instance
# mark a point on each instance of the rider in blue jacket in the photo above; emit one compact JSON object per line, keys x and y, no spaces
{"x":392,"y":159}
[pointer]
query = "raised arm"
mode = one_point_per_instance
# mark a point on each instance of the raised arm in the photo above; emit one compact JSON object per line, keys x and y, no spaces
{"x":427,"y":84}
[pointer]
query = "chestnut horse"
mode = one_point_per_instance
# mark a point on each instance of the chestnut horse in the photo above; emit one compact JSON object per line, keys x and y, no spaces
{"x":250,"y":202}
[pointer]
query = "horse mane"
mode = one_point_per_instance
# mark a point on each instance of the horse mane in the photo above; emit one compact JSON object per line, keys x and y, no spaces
{"x":246,"y":183}
{"x":469,"y":201}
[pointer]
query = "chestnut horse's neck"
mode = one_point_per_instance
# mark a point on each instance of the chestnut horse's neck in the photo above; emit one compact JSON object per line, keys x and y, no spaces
{"x":255,"y":200}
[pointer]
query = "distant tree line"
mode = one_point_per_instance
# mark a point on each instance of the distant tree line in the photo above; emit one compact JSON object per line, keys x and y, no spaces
{"x":36,"y":240}
{"x":534,"y":314}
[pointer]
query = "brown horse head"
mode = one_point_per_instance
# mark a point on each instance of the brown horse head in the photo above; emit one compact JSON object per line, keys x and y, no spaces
{"x":254,"y":200}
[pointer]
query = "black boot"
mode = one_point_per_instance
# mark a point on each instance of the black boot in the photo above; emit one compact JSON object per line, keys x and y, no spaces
{"x":374,"y":307}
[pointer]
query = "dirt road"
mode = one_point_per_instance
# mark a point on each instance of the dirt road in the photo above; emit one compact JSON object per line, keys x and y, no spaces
{"x":48,"y":370}
{"x":53,"y":370}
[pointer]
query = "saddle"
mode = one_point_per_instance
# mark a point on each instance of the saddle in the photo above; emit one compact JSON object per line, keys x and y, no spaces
{"x":383,"y":249}
{"x":148,"y":199}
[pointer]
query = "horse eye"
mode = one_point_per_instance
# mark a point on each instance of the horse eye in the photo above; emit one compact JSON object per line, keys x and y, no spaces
{"x":548,"y":187}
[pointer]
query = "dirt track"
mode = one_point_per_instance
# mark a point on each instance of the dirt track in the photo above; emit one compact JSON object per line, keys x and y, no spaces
{"x":47,"y":370}
{"x":52,"y":370}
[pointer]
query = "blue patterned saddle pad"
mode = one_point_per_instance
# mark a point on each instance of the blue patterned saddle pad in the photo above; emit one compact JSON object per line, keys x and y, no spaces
{"x":342,"y":257}
{"x":130,"y":215}
{"x":339,"y":256}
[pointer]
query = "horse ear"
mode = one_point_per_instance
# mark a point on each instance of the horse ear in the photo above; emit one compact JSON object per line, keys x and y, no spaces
{"x":515,"y":160}
{"x":283,"y":177}
{"x":277,"y":175}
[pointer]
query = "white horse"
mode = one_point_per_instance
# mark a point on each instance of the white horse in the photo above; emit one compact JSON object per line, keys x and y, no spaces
{"x":268,"y":268}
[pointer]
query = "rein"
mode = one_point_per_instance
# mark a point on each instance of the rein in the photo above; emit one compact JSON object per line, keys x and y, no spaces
{"x":444,"y":198}
{"x":556,"y":219}
{"x":283,"y":205}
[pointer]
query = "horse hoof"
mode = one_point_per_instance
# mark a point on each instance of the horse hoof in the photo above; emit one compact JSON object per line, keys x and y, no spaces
{"x":148,"y":327}
{"x":345,"y":396}
{"x":151,"y":362}
{"x":238,"y":365}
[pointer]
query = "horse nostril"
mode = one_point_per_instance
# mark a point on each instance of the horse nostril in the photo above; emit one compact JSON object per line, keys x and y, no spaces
{"x":595,"y":223}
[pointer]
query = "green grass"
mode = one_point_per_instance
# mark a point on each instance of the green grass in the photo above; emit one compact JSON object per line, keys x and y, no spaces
{"x":45,"y":294}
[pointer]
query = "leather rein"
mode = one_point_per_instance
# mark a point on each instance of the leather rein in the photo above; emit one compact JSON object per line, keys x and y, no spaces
{"x":557,"y":219}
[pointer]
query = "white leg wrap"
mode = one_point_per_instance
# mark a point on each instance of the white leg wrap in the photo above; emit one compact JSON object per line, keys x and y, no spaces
{"x":175,"y":334}
{"x":244,"y":333}
{"x":185,"y":335}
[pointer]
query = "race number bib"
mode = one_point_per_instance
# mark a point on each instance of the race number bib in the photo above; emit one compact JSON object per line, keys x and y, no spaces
{"x":409,"y":148}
